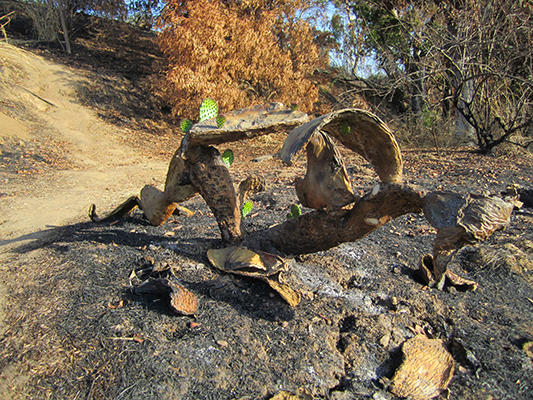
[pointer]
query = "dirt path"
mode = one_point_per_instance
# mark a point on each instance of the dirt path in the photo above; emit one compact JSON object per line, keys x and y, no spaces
{"x":39,"y":113}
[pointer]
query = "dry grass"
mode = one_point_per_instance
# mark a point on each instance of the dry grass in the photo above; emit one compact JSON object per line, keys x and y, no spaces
{"x":512,"y":258}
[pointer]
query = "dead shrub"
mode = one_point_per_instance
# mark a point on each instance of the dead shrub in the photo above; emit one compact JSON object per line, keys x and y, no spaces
{"x":238,"y":54}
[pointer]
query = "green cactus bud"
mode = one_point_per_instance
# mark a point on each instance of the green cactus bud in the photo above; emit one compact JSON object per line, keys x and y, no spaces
{"x":345,"y":128}
{"x":208,"y":109}
{"x":221,"y":120}
{"x":228,"y":157}
{"x":294,"y":106}
{"x":295,"y":211}
{"x":186,"y":125}
{"x":247,"y":208}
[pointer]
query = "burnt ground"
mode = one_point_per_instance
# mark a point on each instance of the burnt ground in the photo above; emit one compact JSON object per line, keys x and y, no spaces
{"x":72,"y":327}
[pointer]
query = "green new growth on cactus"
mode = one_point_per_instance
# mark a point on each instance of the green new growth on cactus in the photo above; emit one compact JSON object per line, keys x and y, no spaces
{"x":221,"y":120}
{"x":345,"y":128}
{"x":186,"y":125}
{"x":208,"y":110}
{"x":247,"y":208}
{"x":228,"y":157}
{"x":295,"y":211}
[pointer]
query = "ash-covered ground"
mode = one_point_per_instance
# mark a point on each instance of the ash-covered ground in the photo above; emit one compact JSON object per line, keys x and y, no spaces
{"x":72,"y":326}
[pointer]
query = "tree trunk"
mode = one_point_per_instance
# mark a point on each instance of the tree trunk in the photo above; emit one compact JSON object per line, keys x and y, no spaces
{"x":417,"y":83}
{"x":64,"y":28}
{"x":463,"y":129}
{"x":446,"y":101}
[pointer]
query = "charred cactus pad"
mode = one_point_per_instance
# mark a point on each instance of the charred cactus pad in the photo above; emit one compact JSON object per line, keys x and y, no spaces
{"x":255,"y":264}
{"x":461,"y":219}
{"x":245,"y":123}
{"x":325,"y":175}
{"x":479,"y":216}
{"x":426,"y":371}
{"x":360,"y":131}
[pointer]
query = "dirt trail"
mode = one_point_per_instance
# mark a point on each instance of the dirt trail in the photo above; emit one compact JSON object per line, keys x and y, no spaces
{"x":39,"y":107}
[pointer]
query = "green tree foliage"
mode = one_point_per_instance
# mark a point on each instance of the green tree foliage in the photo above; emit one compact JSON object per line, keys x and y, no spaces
{"x":474,"y":55}
{"x":144,"y":13}
{"x":239,"y":53}
{"x":392,"y":32}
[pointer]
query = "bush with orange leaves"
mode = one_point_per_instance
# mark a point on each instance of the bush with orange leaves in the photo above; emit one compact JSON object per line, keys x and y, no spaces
{"x":239,"y":53}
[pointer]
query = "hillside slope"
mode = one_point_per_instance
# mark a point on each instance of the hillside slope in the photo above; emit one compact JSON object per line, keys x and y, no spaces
{"x":58,"y":156}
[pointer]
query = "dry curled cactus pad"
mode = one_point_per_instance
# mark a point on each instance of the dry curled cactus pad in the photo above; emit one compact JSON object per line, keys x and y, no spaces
{"x":180,"y":299}
{"x":325,"y":173}
{"x":178,"y":186}
{"x":426,"y":370}
{"x":480,"y":216}
{"x":358,"y":130}
{"x":462,"y":219}
{"x":255,"y":264}
{"x":155,"y":206}
{"x":251,"y":185}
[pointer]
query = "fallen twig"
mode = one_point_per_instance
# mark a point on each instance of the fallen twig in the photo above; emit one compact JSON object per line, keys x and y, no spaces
{"x":36,"y":95}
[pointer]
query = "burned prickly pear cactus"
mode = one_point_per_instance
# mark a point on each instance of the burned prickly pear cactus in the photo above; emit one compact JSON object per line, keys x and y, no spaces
{"x":459,"y":220}
{"x":197,"y":167}
{"x":339,"y":216}
{"x":208,"y":172}
{"x":358,"y":130}
{"x":317,"y":188}
{"x":320,"y":230}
